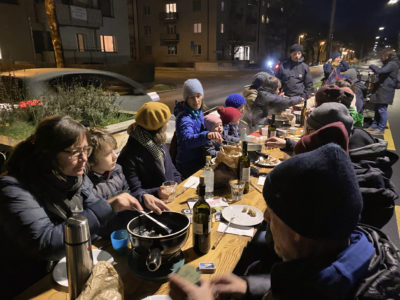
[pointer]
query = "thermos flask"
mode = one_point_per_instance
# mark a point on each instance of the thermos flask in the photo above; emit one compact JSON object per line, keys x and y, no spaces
{"x":78,"y":250}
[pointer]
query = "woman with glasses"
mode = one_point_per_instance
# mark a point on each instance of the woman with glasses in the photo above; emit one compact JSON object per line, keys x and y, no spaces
{"x":44,"y":186}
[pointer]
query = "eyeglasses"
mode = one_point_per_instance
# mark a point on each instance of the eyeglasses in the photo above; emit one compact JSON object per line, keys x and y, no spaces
{"x":75,"y":153}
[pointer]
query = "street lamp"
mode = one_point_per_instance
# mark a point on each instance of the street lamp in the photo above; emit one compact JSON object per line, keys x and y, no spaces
{"x":392,"y":2}
{"x":378,"y":37}
{"x":301,"y":36}
{"x":381,"y":28}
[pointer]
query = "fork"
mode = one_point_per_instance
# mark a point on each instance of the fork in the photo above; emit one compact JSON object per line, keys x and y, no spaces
{"x":223,"y":233}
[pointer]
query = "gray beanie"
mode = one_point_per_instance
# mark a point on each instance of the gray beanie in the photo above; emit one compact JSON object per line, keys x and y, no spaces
{"x":259,"y":79}
{"x":192,"y":86}
{"x":330,"y":112}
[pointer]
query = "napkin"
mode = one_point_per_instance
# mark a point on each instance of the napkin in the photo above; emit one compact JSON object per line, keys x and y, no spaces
{"x":261,"y":180}
{"x":192,"y":182}
{"x":236,"y":229}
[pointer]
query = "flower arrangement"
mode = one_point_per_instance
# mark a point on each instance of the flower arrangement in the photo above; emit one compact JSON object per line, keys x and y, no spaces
{"x":27,"y":103}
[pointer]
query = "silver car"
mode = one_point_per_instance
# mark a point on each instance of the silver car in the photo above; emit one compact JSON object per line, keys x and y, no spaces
{"x":34,"y":82}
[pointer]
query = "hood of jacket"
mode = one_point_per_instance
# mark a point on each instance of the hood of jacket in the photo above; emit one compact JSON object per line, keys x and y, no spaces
{"x":250,"y":94}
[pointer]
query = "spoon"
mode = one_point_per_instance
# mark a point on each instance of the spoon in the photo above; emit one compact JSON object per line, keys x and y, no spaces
{"x":163,"y":226}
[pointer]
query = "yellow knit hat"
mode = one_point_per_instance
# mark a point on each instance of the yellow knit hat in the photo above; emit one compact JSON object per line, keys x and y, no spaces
{"x":153,"y":115}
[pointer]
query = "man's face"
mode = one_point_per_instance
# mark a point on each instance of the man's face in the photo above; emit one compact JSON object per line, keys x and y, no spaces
{"x":337,"y":60}
{"x":295,"y":56}
{"x":384,"y":57}
{"x":285,"y":239}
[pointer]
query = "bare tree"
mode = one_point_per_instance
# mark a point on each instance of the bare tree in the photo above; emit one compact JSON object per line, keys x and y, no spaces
{"x":54,"y":33}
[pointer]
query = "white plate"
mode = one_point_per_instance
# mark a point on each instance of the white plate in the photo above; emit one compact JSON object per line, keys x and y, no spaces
{"x":264,"y":163}
{"x":60,"y":270}
{"x":158,"y":297}
{"x":242,"y":218}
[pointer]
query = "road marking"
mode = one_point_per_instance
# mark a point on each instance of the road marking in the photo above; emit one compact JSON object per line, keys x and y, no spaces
{"x":397,"y":211}
{"x":387,"y":135}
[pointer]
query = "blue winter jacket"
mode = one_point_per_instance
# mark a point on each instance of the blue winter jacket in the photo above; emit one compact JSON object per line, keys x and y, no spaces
{"x":143,"y":175}
{"x":331,"y":73}
{"x":317,"y":279}
{"x":32,"y":235}
{"x":296,"y":78}
{"x":191,"y":136}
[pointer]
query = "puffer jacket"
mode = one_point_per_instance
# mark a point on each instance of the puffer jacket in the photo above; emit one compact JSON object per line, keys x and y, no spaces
{"x":32,"y":236}
{"x":387,"y":80}
{"x":112,"y":185}
{"x":267,"y":103}
{"x":296,"y":78}
{"x":250,"y":95}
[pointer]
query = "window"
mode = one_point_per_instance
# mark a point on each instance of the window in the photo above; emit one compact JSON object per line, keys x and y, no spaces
{"x":171,"y":29}
{"x":106,"y":8}
{"x":222,"y":27}
{"x":148,"y":50}
{"x":108,"y":43}
{"x":197,"y":28}
{"x":196,"y":5}
{"x":262,"y":19}
{"x":172,"y":50}
{"x":170,"y":7}
{"x":146,"y":10}
{"x":222,"y":5}
{"x":197,"y":49}
{"x":147,"y":30}
{"x":80,"y":40}
{"x":1,"y":55}
{"x":42,"y":41}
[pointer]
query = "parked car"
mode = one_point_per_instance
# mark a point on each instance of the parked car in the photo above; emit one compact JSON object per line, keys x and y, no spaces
{"x":34,"y":82}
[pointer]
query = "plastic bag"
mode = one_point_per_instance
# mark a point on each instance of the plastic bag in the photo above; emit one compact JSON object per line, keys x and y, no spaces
{"x":226,"y":165}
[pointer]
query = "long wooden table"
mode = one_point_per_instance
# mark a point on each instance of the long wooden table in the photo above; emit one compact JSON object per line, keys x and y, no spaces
{"x":225,"y":256}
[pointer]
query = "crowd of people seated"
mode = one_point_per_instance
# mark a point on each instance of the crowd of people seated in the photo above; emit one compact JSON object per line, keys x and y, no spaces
{"x":339,"y":176}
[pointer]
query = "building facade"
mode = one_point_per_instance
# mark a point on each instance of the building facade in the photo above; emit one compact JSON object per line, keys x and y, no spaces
{"x":91,"y":32}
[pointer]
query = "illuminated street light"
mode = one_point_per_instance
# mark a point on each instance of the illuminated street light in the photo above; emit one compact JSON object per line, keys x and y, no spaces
{"x":381,"y":28}
{"x":301,"y":36}
{"x":378,"y":37}
{"x":322,"y":43}
{"x":392,"y":2}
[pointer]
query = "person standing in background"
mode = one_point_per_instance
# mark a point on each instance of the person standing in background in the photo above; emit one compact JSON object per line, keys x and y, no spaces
{"x":333,"y":67}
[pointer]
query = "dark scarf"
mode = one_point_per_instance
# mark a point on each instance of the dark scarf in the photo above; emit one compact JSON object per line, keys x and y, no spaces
{"x":60,"y":195}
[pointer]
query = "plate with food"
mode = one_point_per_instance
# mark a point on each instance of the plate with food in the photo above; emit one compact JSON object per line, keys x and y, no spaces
{"x":244,"y":215}
{"x":267,"y":162}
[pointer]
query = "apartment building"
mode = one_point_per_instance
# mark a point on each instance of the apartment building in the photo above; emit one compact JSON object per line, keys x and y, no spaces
{"x":91,"y":32}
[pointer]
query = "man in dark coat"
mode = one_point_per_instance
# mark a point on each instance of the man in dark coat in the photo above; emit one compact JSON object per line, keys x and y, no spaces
{"x":333,"y":67}
{"x":295,"y":75}
{"x":383,"y":94}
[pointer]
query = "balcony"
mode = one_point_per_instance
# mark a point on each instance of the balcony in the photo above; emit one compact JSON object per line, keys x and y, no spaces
{"x":169,"y":37}
{"x":169,"y":17}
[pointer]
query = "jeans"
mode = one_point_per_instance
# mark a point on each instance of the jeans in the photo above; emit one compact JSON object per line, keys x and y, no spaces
{"x":381,"y":117}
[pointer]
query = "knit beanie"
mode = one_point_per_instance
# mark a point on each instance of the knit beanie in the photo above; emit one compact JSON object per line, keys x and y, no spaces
{"x":153,"y":115}
{"x":235,"y":100}
{"x":328,"y":113}
{"x":334,"y":55}
{"x":211,"y":120}
{"x":295,"y":48}
{"x":229,"y":114}
{"x":192,"y":86}
{"x":351,"y":74}
{"x":331,"y":133}
{"x":333,"y":93}
{"x":316,"y":193}
{"x":259,"y":79}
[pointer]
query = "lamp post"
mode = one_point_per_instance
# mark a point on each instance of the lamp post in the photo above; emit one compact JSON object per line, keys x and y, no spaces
{"x":321,"y":44}
{"x":330,"y":36}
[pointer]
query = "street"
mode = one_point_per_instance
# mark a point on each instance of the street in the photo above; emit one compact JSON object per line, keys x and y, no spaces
{"x":218,"y":85}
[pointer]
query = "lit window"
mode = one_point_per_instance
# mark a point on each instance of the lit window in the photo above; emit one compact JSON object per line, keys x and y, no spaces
{"x":172,"y":50}
{"x":81,"y":42}
{"x":170,"y":7}
{"x":262,"y":19}
{"x":1,"y":55}
{"x":222,"y":5}
{"x":197,"y":28}
{"x":108,"y":43}
{"x":267,"y":21}
{"x":197,"y":50}
{"x":222,"y":27}
{"x":281,"y":9}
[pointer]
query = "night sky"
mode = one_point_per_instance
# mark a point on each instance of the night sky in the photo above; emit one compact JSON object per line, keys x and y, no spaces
{"x":356,"y":21}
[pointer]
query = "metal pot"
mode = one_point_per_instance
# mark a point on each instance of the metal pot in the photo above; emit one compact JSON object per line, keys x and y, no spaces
{"x":161,"y":244}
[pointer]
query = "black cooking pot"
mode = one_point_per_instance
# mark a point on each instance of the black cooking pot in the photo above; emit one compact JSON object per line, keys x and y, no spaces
{"x":160,"y":244}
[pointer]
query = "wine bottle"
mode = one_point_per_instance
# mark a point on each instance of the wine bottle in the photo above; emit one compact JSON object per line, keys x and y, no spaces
{"x":272,"y":127}
{"x":201,"y":221}
{"x":244,"y":168}
{"x":208,"y":174}
{"x":303,"y":114}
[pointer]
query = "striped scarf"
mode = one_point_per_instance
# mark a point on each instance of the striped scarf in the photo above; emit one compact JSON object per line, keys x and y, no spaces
{"x":145,"y":139}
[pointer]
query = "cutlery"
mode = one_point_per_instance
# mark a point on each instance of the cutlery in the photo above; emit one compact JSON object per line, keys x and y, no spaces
{"x":223,"y":233}
{"x":163,"y":226}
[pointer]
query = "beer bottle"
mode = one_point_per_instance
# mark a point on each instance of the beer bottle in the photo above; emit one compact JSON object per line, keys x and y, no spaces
{"x":208,"y":174}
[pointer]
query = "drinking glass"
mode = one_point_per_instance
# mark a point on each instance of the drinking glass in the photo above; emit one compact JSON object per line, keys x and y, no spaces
{"x":120,"y":240}
{"x":169,"y":187}
{"x":237,"y":188}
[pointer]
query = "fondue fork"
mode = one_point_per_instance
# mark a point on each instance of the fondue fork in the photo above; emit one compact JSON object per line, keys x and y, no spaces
{"x":223,"y":233}
{"x":163,"y":226}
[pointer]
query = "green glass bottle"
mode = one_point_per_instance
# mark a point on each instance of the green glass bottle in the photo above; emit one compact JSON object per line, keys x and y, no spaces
{"x":272,"y":127}
{"x":244,"y":168}
{"x":201,"y":221}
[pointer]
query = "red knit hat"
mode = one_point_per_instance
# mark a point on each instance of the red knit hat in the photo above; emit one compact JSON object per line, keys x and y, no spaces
{"x":229,"y":114}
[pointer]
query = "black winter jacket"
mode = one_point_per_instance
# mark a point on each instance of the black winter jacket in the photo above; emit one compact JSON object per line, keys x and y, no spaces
{"x":387,"y":80}
{"x":296,"y":78}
